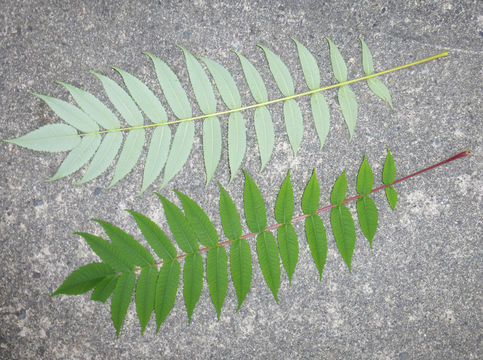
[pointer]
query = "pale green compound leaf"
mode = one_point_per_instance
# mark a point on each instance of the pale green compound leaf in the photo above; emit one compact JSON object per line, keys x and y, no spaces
{"x":294,"y":123}
{"x":339,"y":190}
{"x":389,"y":170}
{"x":200,"y":223}
{"x":365,"y":178}
{"x":145,"y":295}
{"x":133,"y":250}
{"x":237,"y":142}
{"x":98,"y":112}
{"x":311,"y":196}
{"x":182,"y":232}
{"x":155,"y":237}
{"x":130,"y":153}
{"x":289,"y":248}
{"x":84,"y":279}
{"x":121,"y":100}
{"x":108,"y":253}
{"x":225,"y":84}
{"x":344,"y":232}
{"x":104,"y":288}
{"x":321,"y":115}
{"x":254,"y":79}
{"x":217,"y":276}
{"x":317,"y":239}
{"x":284,"y":203}
{"x":166,"y":289}
{"x":309,"y":66}
{"x":255,"y":211}
{"x":269,"y":261}
{"x":230,"y":220}
{"x":70,"y":113}
{"x":348,"y":106}
{"x":265,"y":134}
{"x":211,"y":145}
{"x":367,"y":215}
{"x":104,"y":156}
{"x":338,"y":64}
{"x":121,"y":299}
{"x":280,"y":72}
{"x":78,"y":156}
{"x":192,"y":282}
{"x":391,"y":195}
{"x":51,"y":138}
{"x":241,"y":269}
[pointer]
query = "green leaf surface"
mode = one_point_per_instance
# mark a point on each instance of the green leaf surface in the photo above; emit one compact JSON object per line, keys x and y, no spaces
{"x":144,"y":97}
{"x":145,"y":294}
{"x":200,"y":222}
{"x":237,"y":142}
{"x":391,"y":195}
{"x":311,"y":196}
{"x":225,"y":84}
{"x":155,"y":237}
{"x":365,"y":178}
{"x":121,"y":299}
{"x":269,"y":261}
{"x":108,"y":253}
{"x":321,"y":115}
{"x":78,"y":157}
{"x":166,"y":289}
{"x":338,"y":64}
{"x":211,"y":146}
{"x":255,"y":211}
{"x":69,"y":113}
{"x":265,"y":134}
{"x":182,"y":232}
{"x":380,"y":89}
{"x":289,"y":248}
{"x":294,"y":123}
{"x":367,"y":214}
{"x":254,"y":79}
{"x":157,"y":155}
{"x":241,"y":269}
{"x":97,"y":111}
{"x":180,"y":150}
{"x":230,"y":220}
{"x":339,"y":190}
{"x":84,"y":279}
{"x":138,"y":254}
{"x":317,"y":239}
{"x":51,"y":138}
{"x":130,"y":153}
{"x":121,"y":101}
{"x":367,"y":63}
{"x":309,"y":66}
{"x":348,"y":106}
{"x":280,"y":72}
{"x":344,"y":232}
{"x":217,"y":276}
{"x":105,"y":154}
{"x":192,"y":282}
{"x":389,"y":170}
{"x":104,"y":288}
{"x":284,"y":203}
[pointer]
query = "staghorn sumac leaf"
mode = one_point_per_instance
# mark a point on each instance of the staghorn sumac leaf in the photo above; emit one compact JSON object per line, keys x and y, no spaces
{"x":211,"y":146}
{"x":51,"y":138}
{"x":309,"y":66}
{"x":365,"y":178}
{"x":254,"y":79}
{"x":391,"y":195}
{"x":104,"y":288}
{"x":192,"y":282}
{"x":241,"y":269}
{"x":237,"y":142}
{"x":348,"y":106}
{"x":321,"y":115}
{"x":84,"y":279}
{"x":121,"y":298}
{"x":311,"y":196}
{"x":269,"y":261}
{"x":145,"y":294}
{"x":344,"y":232}
{"x":289,"y":248}
{"x":265,"y":134}
{"x":280,"y":72}
{"x":367,"y":215}
{"x":284,"y":203}
{"x":389,"y":170}
{"x":337,"y":61}
{"x":230,"y":220}
{"x":339,"y":190}
{"x":317,"y":239}
{"x":294,"y":124}
{"x":166,"y":289}
{"x":255,"y":211}
{"x":217,"y":276}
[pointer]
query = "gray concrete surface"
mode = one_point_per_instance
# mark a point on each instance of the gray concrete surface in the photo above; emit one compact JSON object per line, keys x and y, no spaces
{"x":416,"y":295}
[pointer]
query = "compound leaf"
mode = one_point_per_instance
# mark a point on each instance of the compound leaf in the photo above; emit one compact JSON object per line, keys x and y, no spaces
{"x":269,"y":261}
{"x":367,"y":215}
{"x":255,"y":211}
{"x":339,"y":190}
{"x":284,"y":203}
{"x":289,"y":248}
{"x":192,"y":281}
{"x":317,"y":239}
{"x":104,"y":288}
{"x":84,"y":279}
{"x":51,"y":138}
{"x":145,"y":294}
{"x":241,"y":269}
{"x":348,"y":106}
{"x":365,"y":178}
{"x":311,"y":196}
{"x":166,"y":289}
{"x":389,"y":170}
{"x":344,"y":232}
{"x":121,"y":299}
{"x":391,"y":195}
{"x":265,"y":134}
{"x":217,"y":276}
{"x":230,"y":220}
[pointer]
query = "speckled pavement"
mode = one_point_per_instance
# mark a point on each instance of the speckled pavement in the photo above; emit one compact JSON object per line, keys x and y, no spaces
{"x":416,"y":295}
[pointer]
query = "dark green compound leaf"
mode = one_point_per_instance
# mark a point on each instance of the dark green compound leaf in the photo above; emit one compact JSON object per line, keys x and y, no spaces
{"x":84,"y":279}
{"x":155,"y":237}
{"x":192,"y":281}
{"x":145,"y":294}
{"x":199,"y":221}
{"x":339,"y":190}
{"x":391,"y":195}
{"x":241,"y":269}
{"x":230,"y":220}
{"x":344,"y":232}
{"x":311,"y":196}
{"x":269,"y":261}
{"x":137,"y":253}
{"x":255,"y":212}
{"x":289,"y":248}
{"x":182,"y":232}
{"x":121,"y":299}
{"x":217,"y":276}
{"x":317,"y":239}
{"x":367,"y":215}
{"x":365,"y":178}
{"x":108,"y":252}
{"x":104,"y":288}
{"x":284,"y":203}
{"x":166,"y":289}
